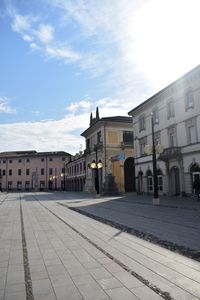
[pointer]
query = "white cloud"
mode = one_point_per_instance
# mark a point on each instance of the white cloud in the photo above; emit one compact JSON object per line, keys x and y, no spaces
{"x":45,"y":33}
{"x":20,"y":23}
{"x":41,"y":37}
{"x":77,"y":106}
{"x":5,"y":107}
{"x":62,"y":53}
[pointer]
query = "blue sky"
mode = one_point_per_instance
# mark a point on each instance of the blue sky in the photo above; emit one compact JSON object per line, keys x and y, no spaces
{"x":61,"y":58}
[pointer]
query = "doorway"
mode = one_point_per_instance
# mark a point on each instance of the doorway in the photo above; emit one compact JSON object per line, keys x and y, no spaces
{"x":174,"y":181}
{"x":129,"y":175}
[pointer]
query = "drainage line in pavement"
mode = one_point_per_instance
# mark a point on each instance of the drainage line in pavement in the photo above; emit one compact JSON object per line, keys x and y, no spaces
{"x":27,"y":274}
{"x":164,"y":295}
{"x":145,"y":236}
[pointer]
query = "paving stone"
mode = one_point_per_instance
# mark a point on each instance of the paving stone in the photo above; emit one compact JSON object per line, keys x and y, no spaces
{"x":42,"y":287}
{"x":92,"y":290}
{"x":15,"y":296}
{"x":128,"y":280}
{"x":81,"y":279}
{"x":109,"y":283}
{"x":67,"y":292}
{"x":121,"y":293}
{"x":60,"y":280}
{"x":100,"y":273}
{"x":145,"y":293}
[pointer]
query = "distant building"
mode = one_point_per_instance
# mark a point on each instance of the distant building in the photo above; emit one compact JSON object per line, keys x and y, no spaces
{"x":109,"y":143}
{"x":31,"y":170}
{"x":76,"y":172}
{"x":176,"y":119}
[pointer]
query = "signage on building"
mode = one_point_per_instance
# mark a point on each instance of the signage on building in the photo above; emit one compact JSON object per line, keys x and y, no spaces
{"x":117,"y":157}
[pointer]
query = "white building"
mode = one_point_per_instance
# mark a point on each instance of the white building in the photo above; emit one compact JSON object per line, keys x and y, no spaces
{"x":176,"y":115}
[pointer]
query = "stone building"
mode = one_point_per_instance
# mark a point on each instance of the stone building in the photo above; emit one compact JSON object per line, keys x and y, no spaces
{"x":175,"y":111}
{"x":109,"y":144}
{"x":76,"y":172}
{"x":31,"y":170}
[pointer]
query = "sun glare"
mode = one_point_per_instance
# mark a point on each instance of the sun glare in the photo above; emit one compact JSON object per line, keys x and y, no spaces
{"x":167,"y":40}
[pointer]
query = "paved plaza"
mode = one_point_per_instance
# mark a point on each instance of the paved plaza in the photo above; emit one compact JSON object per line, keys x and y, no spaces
{"x":49,"y":251}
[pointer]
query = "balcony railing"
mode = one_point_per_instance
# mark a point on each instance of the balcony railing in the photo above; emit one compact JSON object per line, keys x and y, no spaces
{"x":171,"y":153}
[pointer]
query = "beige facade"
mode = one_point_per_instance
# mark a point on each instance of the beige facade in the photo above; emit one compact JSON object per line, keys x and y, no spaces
{"x":109,"y":141}
{"x":31,"y":170}
{"x":176,"y":114}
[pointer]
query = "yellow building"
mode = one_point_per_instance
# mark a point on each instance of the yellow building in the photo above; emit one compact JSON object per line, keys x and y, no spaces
{"x":109,"y":142}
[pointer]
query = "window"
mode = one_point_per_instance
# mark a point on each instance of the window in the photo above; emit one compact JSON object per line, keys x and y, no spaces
{"x":63,"y":170}
{"x":189,"y":99}
{"x":19,"y":160}
{"x":191,"y":131}
{"x":128,"y":137}
{"x":84,"y":165}
{"x":157,"y":138}
{"x":50,"y":171}
{"x":192,"y":134}
{"x":63,"y":158}
{"x":28,"y":160}
{"x":27,"y":172}
{"x":142,"y":143}
{"x":81,"y":167}
{"x":155,"y":116}
{"x":149,"y":181}
{"x":50,"y":159}
{"x":42,"y":172}
{"x":42,"y":159}
{"x":4,"y":173}
{"x":10,"y":161}
{"x":142,"y":125}
{"x":4,"y":161}
{"x":10,"y":172}
{"x":170,"y":109}
{"x":172,"y":137}
{"x":98,"y":137}
{"x":19,"y":172}
{"x":160,"y":180}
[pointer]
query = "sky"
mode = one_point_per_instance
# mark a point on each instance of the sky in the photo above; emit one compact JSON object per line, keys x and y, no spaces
{"x":60,"y":59}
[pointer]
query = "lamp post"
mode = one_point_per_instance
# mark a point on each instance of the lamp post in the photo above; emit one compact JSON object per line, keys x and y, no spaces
{"x":155,"y":178}
{"x":95,"y":164}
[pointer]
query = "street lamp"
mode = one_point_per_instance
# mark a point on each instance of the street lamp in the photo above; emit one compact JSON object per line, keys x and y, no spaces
{"x":96,"y":165}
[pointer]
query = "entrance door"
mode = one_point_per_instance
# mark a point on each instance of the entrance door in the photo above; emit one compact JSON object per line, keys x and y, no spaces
{"x":175,"y":181}
{"x":129,"y":175}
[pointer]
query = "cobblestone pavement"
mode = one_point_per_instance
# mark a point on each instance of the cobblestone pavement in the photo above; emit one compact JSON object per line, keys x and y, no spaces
{"x":48,"y":251}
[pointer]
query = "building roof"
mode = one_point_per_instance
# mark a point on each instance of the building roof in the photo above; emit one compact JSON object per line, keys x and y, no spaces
{"x":117,"y":119}
{"x":32,"y":153}
{"x":152,"y":98}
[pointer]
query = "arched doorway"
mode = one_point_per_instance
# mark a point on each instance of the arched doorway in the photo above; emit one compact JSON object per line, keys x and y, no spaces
{"x":174,"y":181}
{"x":129,"y":175}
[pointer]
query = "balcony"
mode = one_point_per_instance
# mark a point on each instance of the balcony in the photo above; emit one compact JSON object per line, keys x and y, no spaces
{"x":171,"y":153}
